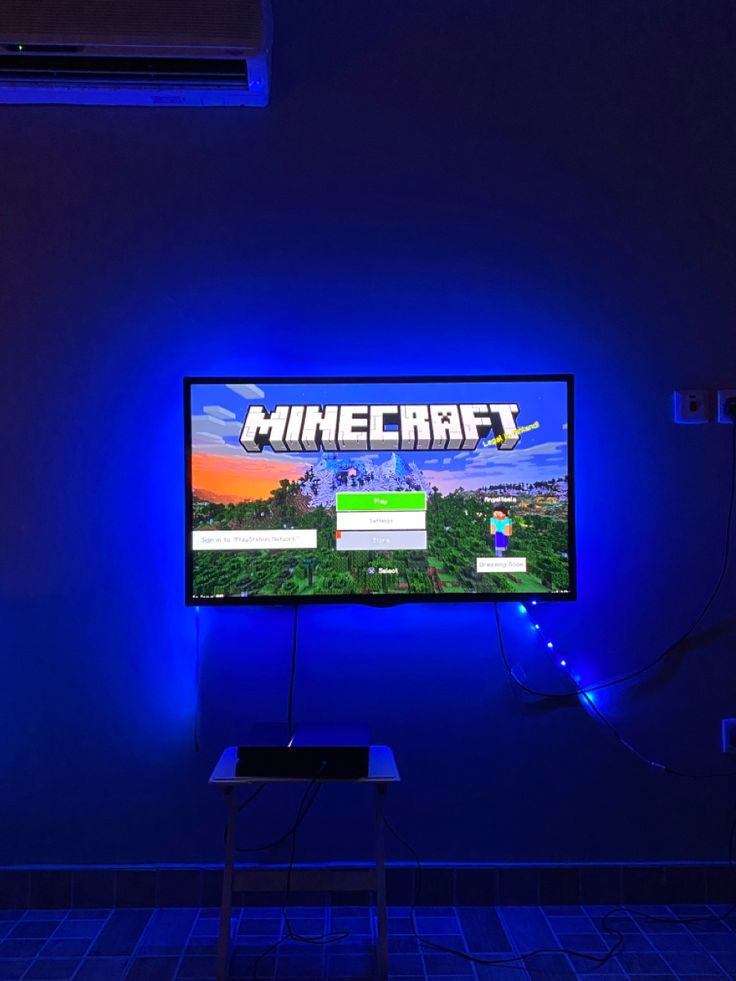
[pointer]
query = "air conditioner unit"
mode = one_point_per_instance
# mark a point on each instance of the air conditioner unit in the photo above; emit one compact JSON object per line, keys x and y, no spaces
{"x":135,"y":52}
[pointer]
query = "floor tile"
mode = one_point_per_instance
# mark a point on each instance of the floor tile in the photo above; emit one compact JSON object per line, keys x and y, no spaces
{"x":21,"y":947}
{"x":403,"y":943}
{"x":636,"y":942}
{"x":643,"y":963}
{"x":208,"y":928}
{"x":196,"y":967}
{"x":259,"y":927}
{"x":684,"y":909}
{"x":723,"y":942}
{"x":399,"y":924}
{"x":437,"y":924}
{"x":307,"y":925}
{"x":102,"y":969}
{"x":586,"y":942}
{"x":405,"y":964}
{"x":170,"y":943}
{"x":727,"y":963}
{"x":290,"y":956}
{"x":355,"y":925}
{"x":121,"y":933}
{"x":610,"y":970}
{"x":483,"y":929}
{"x":439,"y":964}
{"x":709,"y":926}
{"x":241,"y":966}
{"x":689,"y":964}
{"x":676,"y":941}
{"x":619,"y":924}
{"x":167,"y":932}
{"x":500,"y":972}
{"x":152,"y":969}
{"x":65,"y":947}
{"x":33,"y":928}
{"x":572,"y":924}
{"x":441,"y":943}
{"x":12,"y":968}
{"x":52,"y":969}
{"x":652,"y":977}
{"x":549,"y":967}
{"x":201,"y":945}
{"x":654,"y":927}
{"x":73,"y":928}
{"x":528,"y":927}
{"x":353,"y":945}
{"x":350,"y":966}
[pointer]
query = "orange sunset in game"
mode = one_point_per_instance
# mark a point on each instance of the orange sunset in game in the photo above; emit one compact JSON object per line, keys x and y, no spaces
{"x":227,"y":479}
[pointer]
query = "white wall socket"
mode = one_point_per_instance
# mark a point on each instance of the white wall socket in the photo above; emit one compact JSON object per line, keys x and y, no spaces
{"x":692,"y":405}
{"x":724,"y":395}
{"x":728,"y":735}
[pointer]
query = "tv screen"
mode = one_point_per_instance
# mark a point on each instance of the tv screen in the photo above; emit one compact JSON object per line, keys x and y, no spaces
{"x":379,"y":490}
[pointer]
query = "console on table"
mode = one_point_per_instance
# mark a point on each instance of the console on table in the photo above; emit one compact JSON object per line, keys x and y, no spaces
{"x":311,"y":755}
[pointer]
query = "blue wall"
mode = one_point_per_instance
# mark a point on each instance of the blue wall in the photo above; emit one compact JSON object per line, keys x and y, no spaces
{"x":436,"y":188}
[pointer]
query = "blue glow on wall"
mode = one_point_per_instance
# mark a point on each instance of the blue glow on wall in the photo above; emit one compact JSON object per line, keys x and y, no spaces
{"x":522,"y":229}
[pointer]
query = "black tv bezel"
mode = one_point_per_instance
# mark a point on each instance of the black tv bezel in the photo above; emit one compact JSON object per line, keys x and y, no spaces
{"x":381,"y":600}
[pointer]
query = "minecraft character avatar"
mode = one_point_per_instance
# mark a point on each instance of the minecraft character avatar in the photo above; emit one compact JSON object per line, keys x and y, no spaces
{"x":502,"y":528}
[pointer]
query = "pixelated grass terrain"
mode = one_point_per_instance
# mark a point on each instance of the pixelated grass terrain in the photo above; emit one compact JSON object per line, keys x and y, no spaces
{"x":457,"y":533}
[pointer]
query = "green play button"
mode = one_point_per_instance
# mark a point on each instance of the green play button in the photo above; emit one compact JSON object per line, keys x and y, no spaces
{"x":381,"y":501}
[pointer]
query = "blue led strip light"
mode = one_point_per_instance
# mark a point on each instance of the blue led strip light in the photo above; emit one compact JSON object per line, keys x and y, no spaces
{"x":560,"y":661}
{"x":587,"y":699}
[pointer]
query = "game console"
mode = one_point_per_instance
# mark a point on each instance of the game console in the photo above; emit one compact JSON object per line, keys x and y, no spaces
{"x":312,"y":752}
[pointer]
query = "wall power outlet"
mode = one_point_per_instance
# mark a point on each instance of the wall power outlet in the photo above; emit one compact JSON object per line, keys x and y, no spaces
{"x":726,"y":399}
{"x":692,"y":405}
{"x":728,"y":736}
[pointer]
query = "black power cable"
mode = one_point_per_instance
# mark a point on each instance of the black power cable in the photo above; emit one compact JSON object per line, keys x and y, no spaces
{"x":248,"y":800}
{"x":594,"y":708}
{"x":605,"y":924}
{"x":683,"y":637}
{"x":301,"y":815}
{"x":473,"y":958}
{"x":197,"y":680}
{"x":242,"y":806}
{"x":290,"y":934}
{"x":263,"y":786}
{"x":684,"y":920}
{"x":290,"y":710}
{"x":658,"y":766}
{"x":585,"y":692}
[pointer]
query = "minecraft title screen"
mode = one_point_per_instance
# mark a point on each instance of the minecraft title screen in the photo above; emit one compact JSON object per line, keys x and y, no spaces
{"x":366,"y":488}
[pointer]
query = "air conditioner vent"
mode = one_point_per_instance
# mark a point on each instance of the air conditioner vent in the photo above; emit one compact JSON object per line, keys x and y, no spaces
{"x":135,"y":52}
{"x":60,"y":67}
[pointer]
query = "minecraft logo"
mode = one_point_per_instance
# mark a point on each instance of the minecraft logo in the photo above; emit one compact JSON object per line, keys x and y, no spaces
{"x":308,"y":428}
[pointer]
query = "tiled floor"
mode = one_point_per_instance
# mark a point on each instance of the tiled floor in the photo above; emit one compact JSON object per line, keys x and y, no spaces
{"x":165,"y":944}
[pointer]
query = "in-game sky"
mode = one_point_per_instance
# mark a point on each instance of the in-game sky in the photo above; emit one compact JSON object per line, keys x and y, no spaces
{"x":223,"y":471}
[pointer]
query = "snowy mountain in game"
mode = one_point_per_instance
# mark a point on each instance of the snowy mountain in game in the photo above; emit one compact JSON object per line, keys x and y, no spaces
{"x":555,"y":487}
{"x":332,"y":474}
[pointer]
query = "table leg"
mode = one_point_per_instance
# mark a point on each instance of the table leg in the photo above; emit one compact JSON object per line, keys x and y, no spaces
{"x":223,"y":946}
{"x":381,"y":885}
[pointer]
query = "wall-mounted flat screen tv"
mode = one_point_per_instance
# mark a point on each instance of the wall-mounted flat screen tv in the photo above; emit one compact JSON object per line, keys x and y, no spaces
{"x":379,"y":490}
